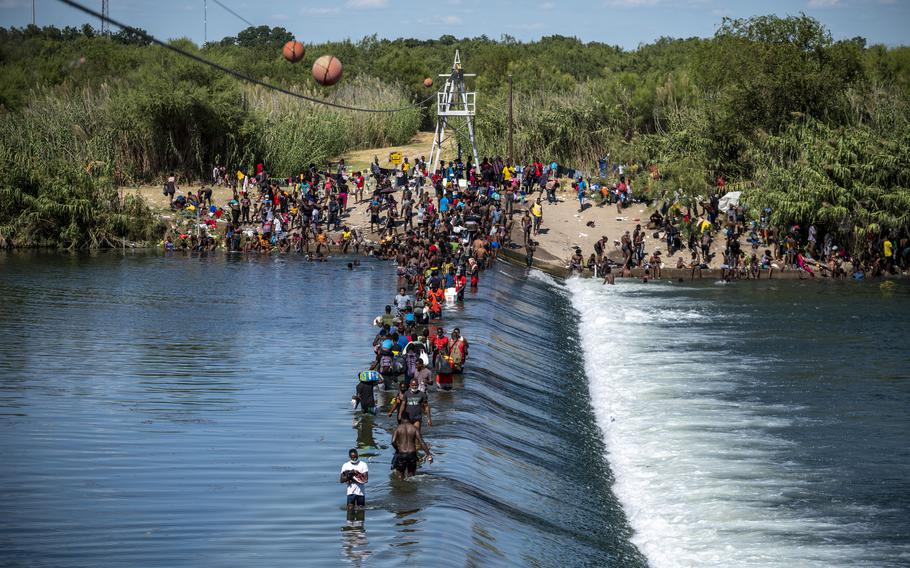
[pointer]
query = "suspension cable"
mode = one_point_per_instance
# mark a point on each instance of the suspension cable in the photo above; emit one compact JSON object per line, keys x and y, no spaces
{"x":242,"y":76}
{"x":232,"y":12}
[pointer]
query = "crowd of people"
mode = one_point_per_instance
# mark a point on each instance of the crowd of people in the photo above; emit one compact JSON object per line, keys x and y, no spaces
{"x":441,"y":233}
{"x":752,"y":246}
{"x":442,"y":228}
{"x":470,"y":209}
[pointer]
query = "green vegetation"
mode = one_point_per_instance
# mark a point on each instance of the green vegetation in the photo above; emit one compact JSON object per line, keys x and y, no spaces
{"x":817,"y":128}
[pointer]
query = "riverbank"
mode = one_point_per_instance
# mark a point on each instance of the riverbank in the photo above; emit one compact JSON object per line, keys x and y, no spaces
{"x":563,"y":229}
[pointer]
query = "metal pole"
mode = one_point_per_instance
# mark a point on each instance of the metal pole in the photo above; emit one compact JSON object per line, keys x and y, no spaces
{"x":205,"y":22}
{"x":511,"y":157}
{"x":105,"y":12}
{"x":34,"y":20}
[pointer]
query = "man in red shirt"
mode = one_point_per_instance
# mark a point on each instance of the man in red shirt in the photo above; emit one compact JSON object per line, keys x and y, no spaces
{"x":440,"y":343}
{"x":442,"y":362}
{"x":461,"y":282}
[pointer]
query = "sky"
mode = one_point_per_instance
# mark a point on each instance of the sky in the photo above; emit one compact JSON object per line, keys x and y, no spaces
{"x":627,"y":23}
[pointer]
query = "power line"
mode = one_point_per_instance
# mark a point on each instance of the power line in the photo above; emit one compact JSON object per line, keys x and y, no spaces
{"x":247,"y":22}
{"x":242,"y":76}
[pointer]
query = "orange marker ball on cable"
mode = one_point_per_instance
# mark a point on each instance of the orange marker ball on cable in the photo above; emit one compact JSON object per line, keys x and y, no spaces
{"x":428,"y":82}
{"x":327,"y":70}
{"x":294,"y":51}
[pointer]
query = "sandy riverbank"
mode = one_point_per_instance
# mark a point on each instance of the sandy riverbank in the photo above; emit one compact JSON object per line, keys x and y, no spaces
{"x":563,"y":227}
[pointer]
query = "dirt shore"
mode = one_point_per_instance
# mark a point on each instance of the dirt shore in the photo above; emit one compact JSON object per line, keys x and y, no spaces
{"x":564,"y":227}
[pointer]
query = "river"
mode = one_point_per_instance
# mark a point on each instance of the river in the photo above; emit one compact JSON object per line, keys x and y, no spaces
{"x":187,"y":410}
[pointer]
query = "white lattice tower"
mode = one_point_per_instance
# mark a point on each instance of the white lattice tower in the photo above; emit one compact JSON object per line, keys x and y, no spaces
{"x":105,"y":13}
{"x":455,"y":108}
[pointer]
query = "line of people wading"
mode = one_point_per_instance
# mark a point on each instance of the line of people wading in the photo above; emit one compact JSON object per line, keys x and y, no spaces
{"x":413,"y":355}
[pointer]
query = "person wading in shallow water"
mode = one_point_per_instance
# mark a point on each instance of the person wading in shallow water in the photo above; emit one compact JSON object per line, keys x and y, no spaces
{"x":458,"y":350}
{"x":355,"y":474}
{"x":405,"y":441}
{"x":413,"y":404}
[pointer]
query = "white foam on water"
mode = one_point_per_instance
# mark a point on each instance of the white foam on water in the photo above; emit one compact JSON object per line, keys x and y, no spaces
{"x":541,"y":276}
{"x":703,"y":478}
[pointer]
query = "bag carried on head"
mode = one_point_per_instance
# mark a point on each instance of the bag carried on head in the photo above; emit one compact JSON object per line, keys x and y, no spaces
{"x":369,"y":377}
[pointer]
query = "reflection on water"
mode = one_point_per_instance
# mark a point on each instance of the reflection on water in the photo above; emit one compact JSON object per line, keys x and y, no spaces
{"x":356,"y":545}
{"x":366,"y":443}
{"x":187,"y":409}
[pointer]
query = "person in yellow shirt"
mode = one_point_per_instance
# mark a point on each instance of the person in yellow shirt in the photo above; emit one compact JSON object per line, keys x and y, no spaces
{"x":321,"y":241}
{"x":888,"y":251}
{"x":537,"y":215}
{"x":508,"y":172}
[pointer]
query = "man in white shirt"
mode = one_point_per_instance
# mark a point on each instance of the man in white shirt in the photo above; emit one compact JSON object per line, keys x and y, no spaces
{"x":355,"y":474}
{"x":402,"y":301}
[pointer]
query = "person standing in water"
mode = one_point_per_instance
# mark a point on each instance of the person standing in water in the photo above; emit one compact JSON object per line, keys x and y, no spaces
{"x":355,"y":474}
{"x":439,"y":345}
{"x":402,"y":301}
{"x":413,"y":404}
{"x":423,"y":376}
{"x":398,"y":401}
{"x":458,"y":350}
{"x":364,"y":397}
{"x":405,"y":441}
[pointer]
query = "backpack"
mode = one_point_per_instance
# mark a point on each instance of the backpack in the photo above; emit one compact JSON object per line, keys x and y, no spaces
{"x":410,"y":360}
{"x":385,"y":364}
{"x":443,"y":365}
{"x":398,"y":366}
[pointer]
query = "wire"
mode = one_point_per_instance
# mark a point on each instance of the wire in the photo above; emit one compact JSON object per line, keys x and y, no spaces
{"x":228,"y":70}
{"x":249,"y":23}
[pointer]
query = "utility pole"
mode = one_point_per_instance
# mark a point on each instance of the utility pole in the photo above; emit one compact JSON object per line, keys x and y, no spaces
{"x":34,"y":20}
{"x":511,"y":157}
{"x":205,"y":22}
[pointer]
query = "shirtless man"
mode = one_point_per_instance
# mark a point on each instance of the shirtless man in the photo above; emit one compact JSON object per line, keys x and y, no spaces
{"x":405,"y":441}
{"x":607,"y":271}
{"x":526,"y":226}
{"x":655,"y":264}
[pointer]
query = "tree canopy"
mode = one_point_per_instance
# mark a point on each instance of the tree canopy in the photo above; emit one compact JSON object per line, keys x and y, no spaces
{"x":817,"y":125}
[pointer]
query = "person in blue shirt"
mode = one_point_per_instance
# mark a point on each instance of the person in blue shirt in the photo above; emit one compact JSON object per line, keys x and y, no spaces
{"x":443,"y":204}
{"x":582,"y":187}
{"x":402,"y":342}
